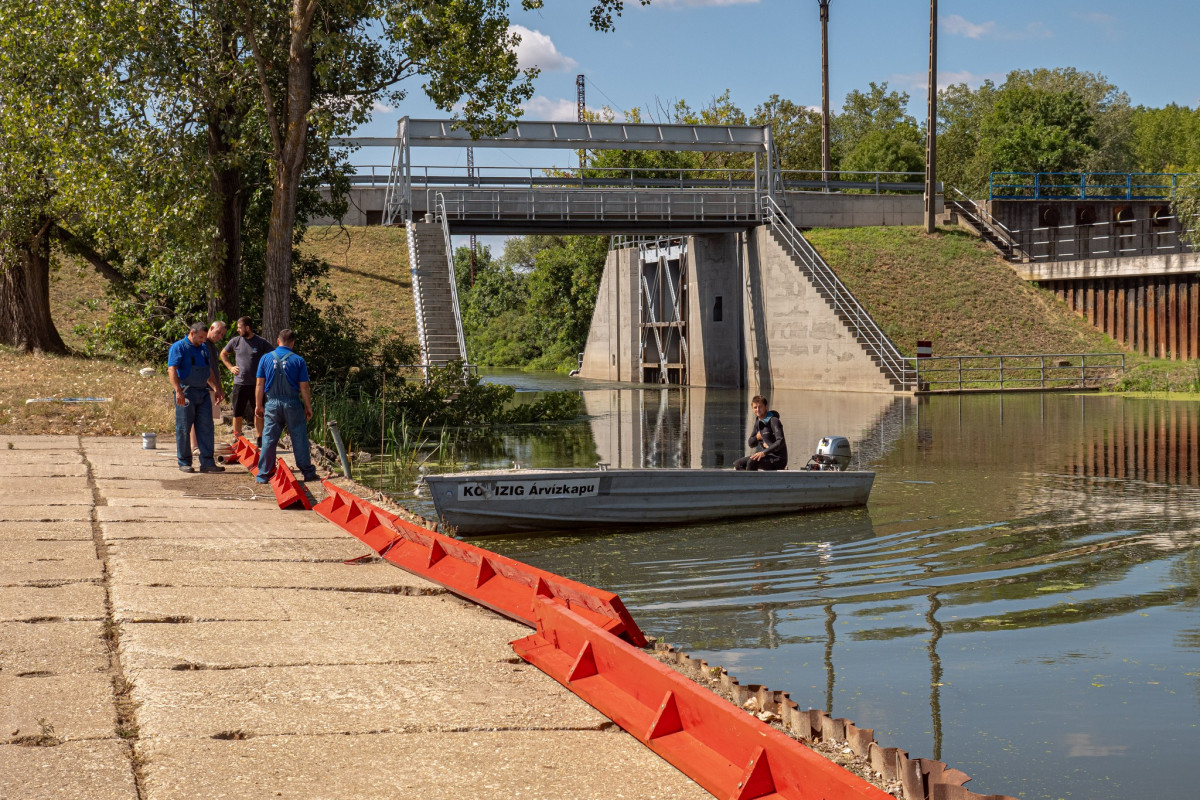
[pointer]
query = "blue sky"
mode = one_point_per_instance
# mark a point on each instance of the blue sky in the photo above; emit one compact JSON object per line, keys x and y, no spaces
{"x":695,"y":49}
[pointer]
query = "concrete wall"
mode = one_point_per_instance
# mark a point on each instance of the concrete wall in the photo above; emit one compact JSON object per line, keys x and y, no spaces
{"x":776,"y":331}
{"x":1085,"y":229}
{"x":821,"y":210}
{"x":714,"y":345}
{"x":793,"y":338}
{"x":612,"y":350}
{"x":1087,"y":269}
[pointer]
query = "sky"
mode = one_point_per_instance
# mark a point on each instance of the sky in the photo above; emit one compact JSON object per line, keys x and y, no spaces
{"x":695,"y":49}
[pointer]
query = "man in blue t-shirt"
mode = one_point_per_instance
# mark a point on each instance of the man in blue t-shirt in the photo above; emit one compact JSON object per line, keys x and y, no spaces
{"x":191,"y":375}
{"x":283,"y":397}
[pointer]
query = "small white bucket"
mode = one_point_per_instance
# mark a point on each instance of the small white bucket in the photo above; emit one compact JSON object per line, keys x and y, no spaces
{"x":149,"y":441}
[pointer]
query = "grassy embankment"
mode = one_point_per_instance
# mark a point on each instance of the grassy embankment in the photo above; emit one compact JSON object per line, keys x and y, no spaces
{"x":369,"y":274}
{"x":957,"y":292}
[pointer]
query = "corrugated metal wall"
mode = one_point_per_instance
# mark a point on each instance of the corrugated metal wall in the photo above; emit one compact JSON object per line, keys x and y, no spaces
{"x":1156,"y":315}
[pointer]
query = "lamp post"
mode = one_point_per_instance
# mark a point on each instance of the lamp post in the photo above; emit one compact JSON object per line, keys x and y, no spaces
{"x":931,"y":125}
{"x":826,"y":155}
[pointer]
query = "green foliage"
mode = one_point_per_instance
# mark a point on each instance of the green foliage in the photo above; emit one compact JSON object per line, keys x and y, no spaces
{"x":796,"y":130}
{"x":444,"y":401}
{"x":897,"y":150}
{"x":874,"y":111}
{"x":1039,"y":130}
{"x":533,"y":307}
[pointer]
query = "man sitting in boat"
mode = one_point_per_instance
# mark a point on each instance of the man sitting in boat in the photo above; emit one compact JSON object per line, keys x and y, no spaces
{"x":767,"y":433}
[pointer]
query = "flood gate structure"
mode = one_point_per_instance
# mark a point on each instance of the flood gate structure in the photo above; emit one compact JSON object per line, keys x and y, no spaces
{"x":724,"y":292}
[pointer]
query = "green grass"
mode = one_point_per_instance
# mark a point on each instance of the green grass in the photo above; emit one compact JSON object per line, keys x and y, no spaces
{"x":954,"y":290}
{"x":369,"y":273}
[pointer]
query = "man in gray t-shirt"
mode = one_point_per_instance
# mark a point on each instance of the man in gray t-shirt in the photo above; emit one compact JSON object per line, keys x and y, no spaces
{"x":247,"y":348}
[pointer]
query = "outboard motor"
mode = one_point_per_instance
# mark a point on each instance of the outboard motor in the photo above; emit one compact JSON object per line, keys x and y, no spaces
{"x":833,"y":453}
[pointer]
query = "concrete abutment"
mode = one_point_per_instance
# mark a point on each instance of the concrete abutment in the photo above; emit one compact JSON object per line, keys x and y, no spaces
{"x":748,"y":316}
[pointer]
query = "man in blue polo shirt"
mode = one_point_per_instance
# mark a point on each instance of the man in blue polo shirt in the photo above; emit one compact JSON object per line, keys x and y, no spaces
{"x":283,"y":397}
{"x":191,"y":375}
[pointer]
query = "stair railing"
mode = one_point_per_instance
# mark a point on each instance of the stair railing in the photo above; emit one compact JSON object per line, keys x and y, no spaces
{"x":994,"y":226}
{"x":440,"y":211}
{"x":867,"y":330}
{"x":418,"y":305}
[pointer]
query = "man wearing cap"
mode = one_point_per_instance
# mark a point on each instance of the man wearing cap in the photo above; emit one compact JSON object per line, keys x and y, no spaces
{"x":191,"y":376}
{"x":283,"y":397}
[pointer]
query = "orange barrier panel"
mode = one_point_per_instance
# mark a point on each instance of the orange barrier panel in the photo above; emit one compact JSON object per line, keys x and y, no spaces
{"x":729,"y":752}
{"x":288,"y":490}
{"x":246,"y":453}
{"x":502,"y":584}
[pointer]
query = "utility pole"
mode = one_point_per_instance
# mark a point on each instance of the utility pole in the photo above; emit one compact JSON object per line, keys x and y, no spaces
{"x":580,"y":112}
{"x":471,"y":182}
{"x":826,"y":155}
{"x":931,"y":125}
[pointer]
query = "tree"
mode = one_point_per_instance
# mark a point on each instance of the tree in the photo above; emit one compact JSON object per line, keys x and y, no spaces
{"x":877,"y":109}
{"x":796,"y":131}
{"x":961,"y":112}
{"x":322,"y":66}
{"x":1038,"y":130}
{"x":894,"y":150}
{"x":1166,"y":139}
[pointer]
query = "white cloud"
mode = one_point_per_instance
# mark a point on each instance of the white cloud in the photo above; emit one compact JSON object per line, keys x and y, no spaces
{"x":1098,"y":18}
{"x":696,"y":3}
{"x":915,"y":81}
{"x":381,"y":108}
{"x":543,"y":108}
{"x":956,"y":25}
{"x":537,"y":50}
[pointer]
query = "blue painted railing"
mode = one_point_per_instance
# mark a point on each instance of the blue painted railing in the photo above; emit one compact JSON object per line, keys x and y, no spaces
{"x":1084,"y":185}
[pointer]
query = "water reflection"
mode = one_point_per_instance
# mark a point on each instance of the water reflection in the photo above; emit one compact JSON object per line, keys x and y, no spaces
{"x":1020,"y":598}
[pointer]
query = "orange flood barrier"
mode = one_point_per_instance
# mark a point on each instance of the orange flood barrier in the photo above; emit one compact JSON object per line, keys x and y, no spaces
{"x":246,"y":454}
{"x":502,"y":584}
{"x":588,"y":642}
{"x":729,"y":752}
{"x":288,"y":490}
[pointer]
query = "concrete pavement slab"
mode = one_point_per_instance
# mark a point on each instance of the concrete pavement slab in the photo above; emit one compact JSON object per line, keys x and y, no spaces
{"x":402,"y":638}
{"x":44,"y":531}
{"x":256,"y":574}
{"x":38,"y":442}
{"x":55,"y":470}
{"x":55,"y":648}
{"x":446,"y":696}
{"x":299,"y":525}
{"x":532,"y":765}
{"x":43,"y":499}
{"x":256,"y":516}
{"x":219,"y":603}
{"x":72,"y":601}
{"x":91,"y":770}
{"x":28,"y":551}
{"x":24,"y":513}
{"x":277,"y":550}
{"x":47,"y":572}
{"x":78,"y":706}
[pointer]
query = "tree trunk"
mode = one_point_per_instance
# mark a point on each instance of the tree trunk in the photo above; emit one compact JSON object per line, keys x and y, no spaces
{"x":289,"y":167}
{"x":25,"y":321}
{"x":224,"y":292}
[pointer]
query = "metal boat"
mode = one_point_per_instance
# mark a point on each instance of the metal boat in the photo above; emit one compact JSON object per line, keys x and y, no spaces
{"x":555,"y":499}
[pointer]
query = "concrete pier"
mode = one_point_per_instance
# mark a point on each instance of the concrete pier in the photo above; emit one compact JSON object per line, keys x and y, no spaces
{"x":165,"y":635}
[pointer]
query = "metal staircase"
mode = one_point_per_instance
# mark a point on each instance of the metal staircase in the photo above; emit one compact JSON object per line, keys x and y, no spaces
{"x":894,"y":366}
{"x":435,"y":295}
{"x":975,"y":218}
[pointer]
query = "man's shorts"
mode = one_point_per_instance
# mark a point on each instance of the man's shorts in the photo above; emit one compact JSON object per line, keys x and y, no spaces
{"x":243,"y":399}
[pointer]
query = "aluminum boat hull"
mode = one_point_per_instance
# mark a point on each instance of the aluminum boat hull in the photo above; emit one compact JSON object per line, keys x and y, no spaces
{"x":525,"y":500}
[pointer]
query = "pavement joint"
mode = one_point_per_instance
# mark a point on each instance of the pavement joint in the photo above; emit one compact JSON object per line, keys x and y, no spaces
{"x":124,"y":705}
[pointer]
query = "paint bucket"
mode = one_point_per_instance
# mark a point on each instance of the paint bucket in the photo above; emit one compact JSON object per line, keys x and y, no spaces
{"x":149,"y":441}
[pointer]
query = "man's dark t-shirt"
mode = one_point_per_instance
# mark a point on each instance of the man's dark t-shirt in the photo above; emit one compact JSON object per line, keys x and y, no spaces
{"x":246,"y":354}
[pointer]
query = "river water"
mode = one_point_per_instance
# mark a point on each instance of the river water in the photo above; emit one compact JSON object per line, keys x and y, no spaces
{"x":1018,"y":599}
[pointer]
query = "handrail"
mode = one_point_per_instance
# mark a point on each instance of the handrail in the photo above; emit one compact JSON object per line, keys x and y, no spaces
{"x":998,"y":228}
{"x":418,"y":305}
{"x":440,"y":210}
{"x":878,"y":181}
{"x":843,"y":301}
{"x":1019,"y":372}
{"x":1082,"y":185}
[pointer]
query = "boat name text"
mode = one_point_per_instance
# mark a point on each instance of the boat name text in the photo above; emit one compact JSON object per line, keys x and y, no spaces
{"x":529,"y":489}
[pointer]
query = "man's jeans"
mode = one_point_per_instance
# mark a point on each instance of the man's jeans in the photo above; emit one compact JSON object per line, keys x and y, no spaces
{"x":277,"y":414}
{"x":197,"y":413}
